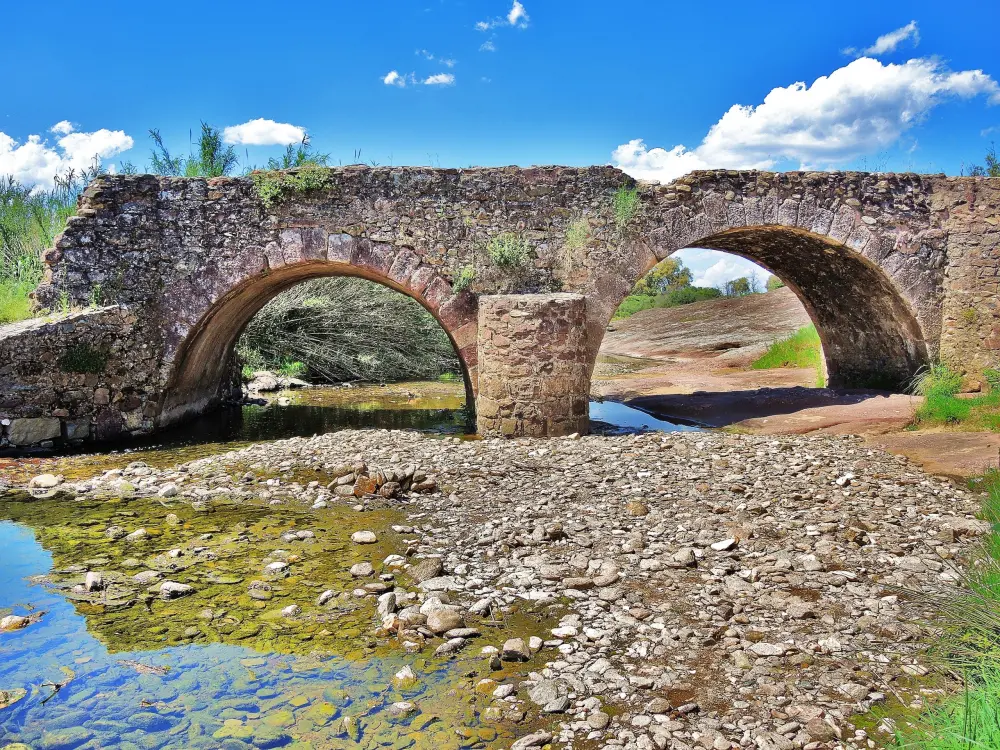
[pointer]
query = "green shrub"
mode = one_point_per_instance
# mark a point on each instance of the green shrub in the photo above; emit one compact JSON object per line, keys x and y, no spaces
{"x":992,"y":378}
{"x":633,"y":304}
{"x":83,"y":358}
{"x":937,"y":380}
{"x":773,"y":282}
{"x":292,"y":369}
{"x":945,"y":405}
{"x":626,"y":204}
{"x":508,"y":250}
{"x":466,"y":275}
{"x":686,"y":296}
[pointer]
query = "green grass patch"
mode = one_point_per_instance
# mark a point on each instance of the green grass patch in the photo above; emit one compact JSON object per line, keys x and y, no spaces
{"x":966,"y":643}
{"x":801,"y":349}
{"x":944,"y":405}
{"x":15,"y":304}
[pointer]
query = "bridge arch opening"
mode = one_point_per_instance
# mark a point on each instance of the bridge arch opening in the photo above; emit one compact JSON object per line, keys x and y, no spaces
{"x":202,"y":368}
{"x":870,"y":337}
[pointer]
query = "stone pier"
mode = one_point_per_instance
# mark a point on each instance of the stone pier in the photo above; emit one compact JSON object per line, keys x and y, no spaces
{"x":534,"y":365}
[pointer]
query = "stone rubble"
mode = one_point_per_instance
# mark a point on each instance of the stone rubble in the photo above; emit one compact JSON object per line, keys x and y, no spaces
{"x":710,"y":590}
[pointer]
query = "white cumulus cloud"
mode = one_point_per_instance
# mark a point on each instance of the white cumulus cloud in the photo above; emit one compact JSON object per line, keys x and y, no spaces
{"x":516,"y":16}
{"x":858,"y":109}
{"x":63,"y":127}
{"x":393,"y":78}
{"x":487,"y":46}
{"x":261,"y":132}
{"x":440,"y":79}
{"x":889,"y":42}
{"x":36,"y":162}
{"x":715,"y":268}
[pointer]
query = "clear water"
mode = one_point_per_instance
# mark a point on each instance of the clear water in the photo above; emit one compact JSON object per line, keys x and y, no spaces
{"x":245,"y":677}
{"x":616,"y":418}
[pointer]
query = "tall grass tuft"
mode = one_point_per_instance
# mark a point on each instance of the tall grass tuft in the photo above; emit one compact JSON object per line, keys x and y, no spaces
{"x":943,"y":405}
{"x":965,"y":621}
{"x":30,"y":219}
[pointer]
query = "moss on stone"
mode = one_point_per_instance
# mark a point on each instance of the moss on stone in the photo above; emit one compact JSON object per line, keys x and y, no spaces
{"x":83,"y":358}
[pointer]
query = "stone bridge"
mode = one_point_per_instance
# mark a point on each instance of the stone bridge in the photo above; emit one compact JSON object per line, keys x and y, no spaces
{"x":157,"y":276}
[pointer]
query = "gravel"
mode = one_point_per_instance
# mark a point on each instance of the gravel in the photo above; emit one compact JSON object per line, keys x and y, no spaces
{"x":715,"y":590}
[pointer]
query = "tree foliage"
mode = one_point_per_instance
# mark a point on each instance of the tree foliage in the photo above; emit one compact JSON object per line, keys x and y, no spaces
{"x":667,"y":275}
{"x":344,"y":329}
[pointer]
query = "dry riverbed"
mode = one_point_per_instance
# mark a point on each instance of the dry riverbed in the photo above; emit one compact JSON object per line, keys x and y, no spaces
{"x":686,"y":590}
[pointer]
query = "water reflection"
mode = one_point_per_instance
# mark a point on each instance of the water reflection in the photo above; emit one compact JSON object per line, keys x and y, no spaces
{"x":216,"y":668}
{"x":613,"y":418}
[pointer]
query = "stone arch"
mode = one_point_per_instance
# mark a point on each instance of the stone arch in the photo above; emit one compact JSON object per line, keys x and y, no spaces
{"x":850,"y":263}
{"x":195,"y":374}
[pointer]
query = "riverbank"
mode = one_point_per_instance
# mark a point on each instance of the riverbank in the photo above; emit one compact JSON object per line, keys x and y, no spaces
{"x":688,"y":590}
{"x":693,"y":363}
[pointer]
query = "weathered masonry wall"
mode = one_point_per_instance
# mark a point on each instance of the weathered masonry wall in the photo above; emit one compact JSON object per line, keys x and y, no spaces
{"x":895,"y":269}
{"x":85,"y":376}
{"x":534,"y":365}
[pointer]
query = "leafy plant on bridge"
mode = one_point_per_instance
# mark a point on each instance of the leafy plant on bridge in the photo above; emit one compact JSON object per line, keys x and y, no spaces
{"x":83,"y":358}
{"x":508,"y":250}
{"x":209,"y":157}
{"x":625,"y":204}
{"x":465,"y":278}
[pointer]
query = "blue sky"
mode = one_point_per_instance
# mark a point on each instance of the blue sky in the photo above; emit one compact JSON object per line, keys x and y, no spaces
{"x":657,"y":88}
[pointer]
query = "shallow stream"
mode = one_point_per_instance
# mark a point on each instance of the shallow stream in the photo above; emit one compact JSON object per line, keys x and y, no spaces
{"x":222,"y":667}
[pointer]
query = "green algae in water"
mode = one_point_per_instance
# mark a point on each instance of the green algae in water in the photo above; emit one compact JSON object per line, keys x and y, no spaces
{"x":217,"y":667}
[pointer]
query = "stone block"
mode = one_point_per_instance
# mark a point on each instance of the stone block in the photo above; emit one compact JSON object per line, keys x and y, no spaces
{"x":32,"y":431}
{"x":78,"y":429}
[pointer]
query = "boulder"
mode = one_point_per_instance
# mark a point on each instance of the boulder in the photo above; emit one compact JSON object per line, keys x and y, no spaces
{"x":32,"y":431}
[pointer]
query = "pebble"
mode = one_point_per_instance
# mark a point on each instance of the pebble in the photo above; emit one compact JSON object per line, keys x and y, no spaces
{"x":364,"y":537}
{"x":173,"y":590}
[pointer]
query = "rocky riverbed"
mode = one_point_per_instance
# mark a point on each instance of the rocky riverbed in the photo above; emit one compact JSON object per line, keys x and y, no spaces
{"x":686,"y":590}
